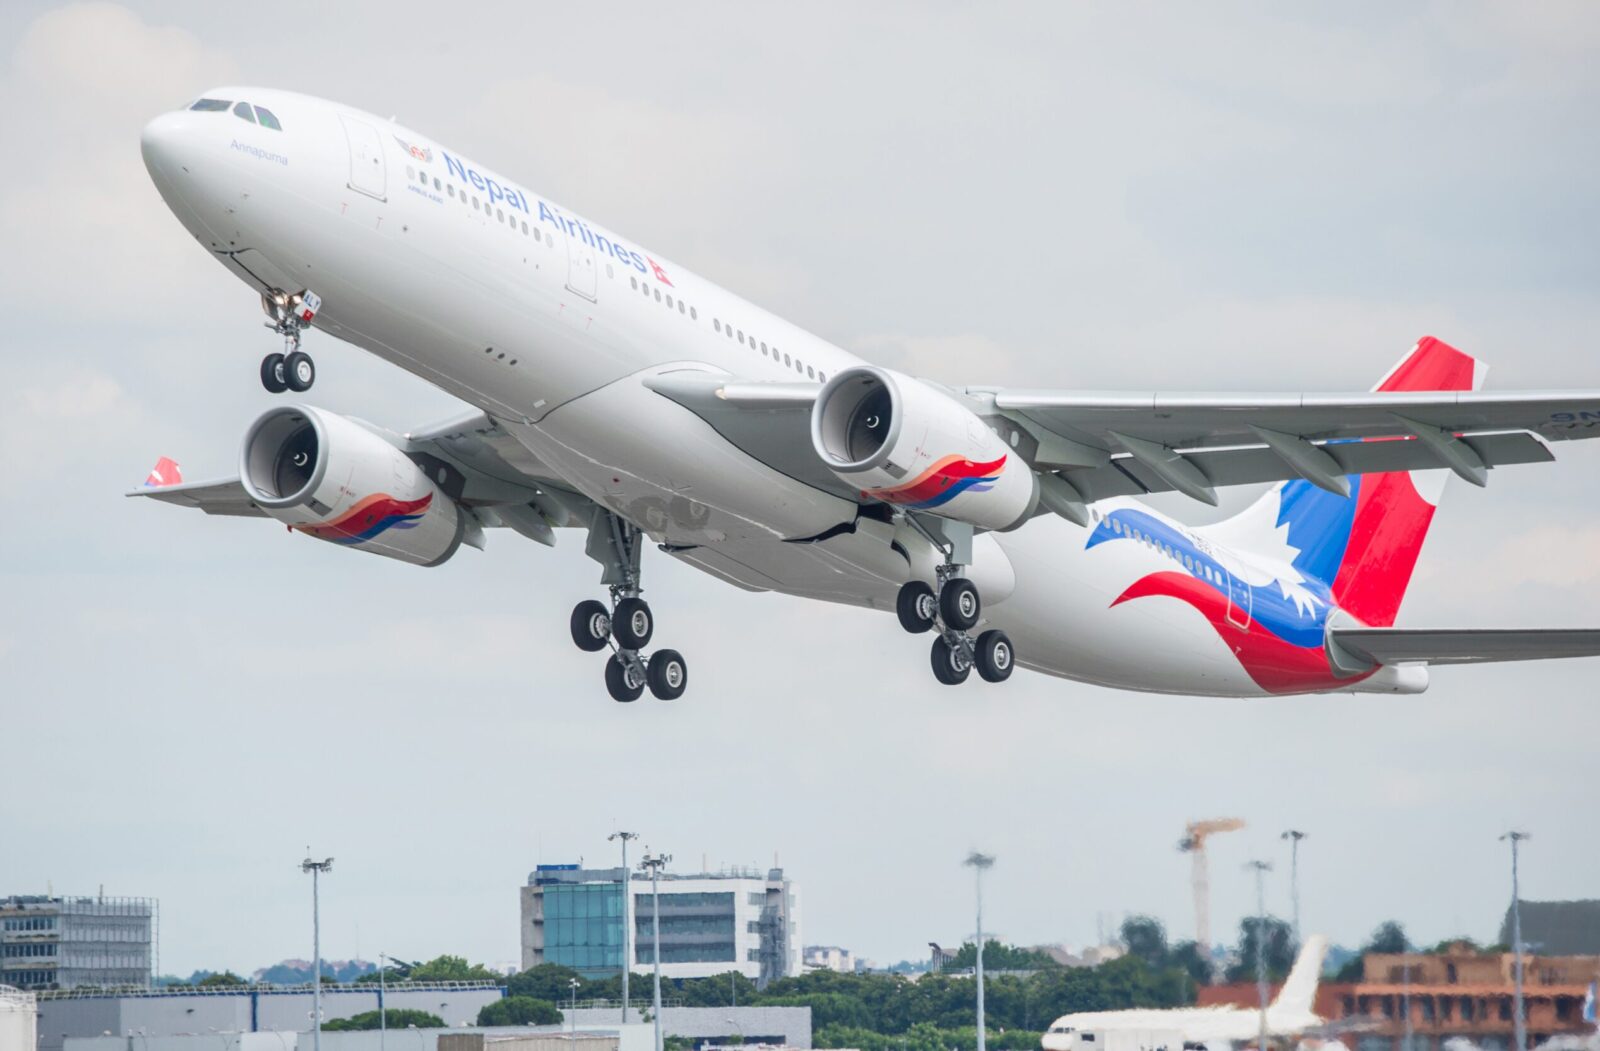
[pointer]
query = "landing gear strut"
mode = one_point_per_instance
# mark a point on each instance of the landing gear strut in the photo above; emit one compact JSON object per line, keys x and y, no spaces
{"x":954,"y":609}
{"x":289,"y":315}
{"x":628,"y":624}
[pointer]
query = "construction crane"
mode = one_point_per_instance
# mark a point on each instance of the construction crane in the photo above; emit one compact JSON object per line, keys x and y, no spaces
{"x":1193,"y":843}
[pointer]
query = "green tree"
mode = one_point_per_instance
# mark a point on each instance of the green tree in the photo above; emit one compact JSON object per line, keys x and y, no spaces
{"x":1146,"y":939}
{"x":1387,"y":937}
{"x":1187,"y":957}
{"x":398,"y":1018}
{"x":551,"y":982}
{"x":452,"y":969}
{"x":519,"y":1010}
{"x":1272,"y":940}
{"x":225,"y":980}
{"x":998,"y":957}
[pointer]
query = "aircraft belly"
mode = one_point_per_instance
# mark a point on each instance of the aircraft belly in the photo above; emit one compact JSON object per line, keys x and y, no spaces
{"x":663,"y":468}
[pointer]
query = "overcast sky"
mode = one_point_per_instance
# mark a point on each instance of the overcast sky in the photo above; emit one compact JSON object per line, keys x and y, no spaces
{"x":1186,"y":197}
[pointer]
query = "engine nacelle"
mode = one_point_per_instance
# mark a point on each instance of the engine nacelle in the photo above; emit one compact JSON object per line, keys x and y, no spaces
{"x":902,"y":441}
{"x":329,"y":477}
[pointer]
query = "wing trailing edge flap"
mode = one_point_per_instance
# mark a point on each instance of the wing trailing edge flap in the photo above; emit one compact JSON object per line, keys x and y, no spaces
{"x":1465,"y":645}
{"x":1128,"y":475}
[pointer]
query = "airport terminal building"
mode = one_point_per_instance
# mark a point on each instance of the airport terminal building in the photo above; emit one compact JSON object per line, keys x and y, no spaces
{"x":711,"y":923}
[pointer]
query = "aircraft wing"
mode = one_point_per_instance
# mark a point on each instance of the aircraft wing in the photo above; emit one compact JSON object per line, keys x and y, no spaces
{"x":1183,"y":421}
{"x":1466,"y":645}
{"x":476,"y":462}
{"x":1194,"y":442}
{"x":1129,"y":444}
{"x":219,"y":496}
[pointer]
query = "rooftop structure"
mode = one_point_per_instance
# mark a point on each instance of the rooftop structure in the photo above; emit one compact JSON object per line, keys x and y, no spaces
{"x":1557,"y":928}
{"x":243,"y":1009}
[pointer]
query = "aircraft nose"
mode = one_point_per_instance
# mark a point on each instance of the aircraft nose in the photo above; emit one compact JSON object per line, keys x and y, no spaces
{"x":167,"y":144}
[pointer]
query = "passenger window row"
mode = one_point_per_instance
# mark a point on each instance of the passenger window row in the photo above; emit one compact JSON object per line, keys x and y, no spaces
{"x":671,"y":304}
{"x":424,"y":179}
{"x":1193,"y":565}
{"x":243,"y":110}
{"x":499,"y":215}
{"x":773,"y":353}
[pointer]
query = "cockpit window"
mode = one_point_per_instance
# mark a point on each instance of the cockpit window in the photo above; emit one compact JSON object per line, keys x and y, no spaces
{"x":242,"y":111}
{"x":211,"y":105}
{"x":268,"y":119}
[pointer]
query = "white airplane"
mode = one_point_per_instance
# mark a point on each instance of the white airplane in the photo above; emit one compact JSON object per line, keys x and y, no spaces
{"x":1289,"y":1015}
{"x":615,"y":392}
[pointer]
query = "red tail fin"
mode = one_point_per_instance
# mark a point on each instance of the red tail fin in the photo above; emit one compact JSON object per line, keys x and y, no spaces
{"x":1393,"y":511}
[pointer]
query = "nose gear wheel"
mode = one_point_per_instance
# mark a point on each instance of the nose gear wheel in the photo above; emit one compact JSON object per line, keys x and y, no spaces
{"x":289,"y":315}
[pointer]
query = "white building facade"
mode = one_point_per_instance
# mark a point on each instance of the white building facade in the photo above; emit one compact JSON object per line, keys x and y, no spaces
{"x":55,"y":942}
{"x":740,"y":920}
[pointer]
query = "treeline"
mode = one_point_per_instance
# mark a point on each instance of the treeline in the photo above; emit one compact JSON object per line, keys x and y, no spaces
{"x":1024,"y":989}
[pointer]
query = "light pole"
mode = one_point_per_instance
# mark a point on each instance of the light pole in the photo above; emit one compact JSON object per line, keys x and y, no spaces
{"x":627,"y":918}
{"x":1517,"y":1020}
{"x":1294,"y":836}
{"x":1261,"y":868}
{"x":655,"y":865}
{"x":573,"y":1028}
{"x":317,"y":869}
{"x":383,"y":1011}
{"x":979,"y":863}
{"x":1405,"y":998}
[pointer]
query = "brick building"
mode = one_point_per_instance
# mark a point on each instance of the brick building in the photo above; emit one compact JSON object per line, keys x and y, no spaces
{"x":1460,"y":993}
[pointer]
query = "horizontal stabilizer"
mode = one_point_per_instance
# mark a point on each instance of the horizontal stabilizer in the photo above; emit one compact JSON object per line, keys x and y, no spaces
{"x":220,"y":496}
{"x":1466,"y":645}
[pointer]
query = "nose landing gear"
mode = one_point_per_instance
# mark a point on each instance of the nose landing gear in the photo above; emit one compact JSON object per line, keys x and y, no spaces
{"x":628,"y":624}
{"x":289,"y":315}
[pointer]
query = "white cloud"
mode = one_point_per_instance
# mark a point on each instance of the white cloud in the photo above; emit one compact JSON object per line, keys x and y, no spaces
{"x":83,"y":224}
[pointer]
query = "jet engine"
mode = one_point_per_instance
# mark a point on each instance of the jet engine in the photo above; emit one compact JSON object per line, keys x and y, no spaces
{"x":902,"y":441}
{"x":330,"y":477}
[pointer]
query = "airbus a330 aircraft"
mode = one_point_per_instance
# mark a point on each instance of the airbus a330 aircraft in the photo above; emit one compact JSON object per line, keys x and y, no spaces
{"x":615,"y":392}
{"x":1213,"y":1028}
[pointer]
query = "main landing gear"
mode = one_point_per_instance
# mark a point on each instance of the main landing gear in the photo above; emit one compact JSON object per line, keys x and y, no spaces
{"x":289,"y":315}
{"x":954,"y":610}
{"x":627,"y":625}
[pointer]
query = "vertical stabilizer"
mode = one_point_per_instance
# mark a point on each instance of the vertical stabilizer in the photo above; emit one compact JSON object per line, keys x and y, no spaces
{"x":1300,"y":991}
{"x":1364,"y":546}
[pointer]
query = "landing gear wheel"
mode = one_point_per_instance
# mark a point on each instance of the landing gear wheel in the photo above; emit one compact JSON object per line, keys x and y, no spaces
{"x":958,"y":603}
{"x":591,"y":625}
{"x":299,"y":372}
{"x":994,"y":656}
{"x":624,"y":680}
{"x":633,"y":624}
{"x":273,"y":376}
{"x":667,"y":674}
{"x":916,"y":607}
{"x":950,"y":663}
